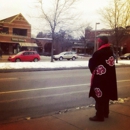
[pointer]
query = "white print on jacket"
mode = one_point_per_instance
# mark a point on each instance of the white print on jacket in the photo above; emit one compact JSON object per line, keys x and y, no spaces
{"x":110,"y":61}
{"x":98,"y":92}
{"x":100,"y":70}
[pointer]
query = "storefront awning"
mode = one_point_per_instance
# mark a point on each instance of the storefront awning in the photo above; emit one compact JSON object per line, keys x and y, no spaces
{"x":26,"y":44}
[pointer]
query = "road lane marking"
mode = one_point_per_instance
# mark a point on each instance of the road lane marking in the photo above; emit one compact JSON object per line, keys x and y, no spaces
{"x":47,"y":88}
{"x":8,"y":79}
{"x":45,"y":96}
{"x":37,"y":89}
{"x":50,"y":95}
{"x":123,"y":81}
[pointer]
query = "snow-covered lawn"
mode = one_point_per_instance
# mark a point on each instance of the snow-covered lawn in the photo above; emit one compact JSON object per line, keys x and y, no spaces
{"x":47,"y":65}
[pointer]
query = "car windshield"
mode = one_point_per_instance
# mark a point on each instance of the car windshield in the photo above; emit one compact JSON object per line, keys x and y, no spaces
{"x":62,"y":53}
{"x":19,"y":53}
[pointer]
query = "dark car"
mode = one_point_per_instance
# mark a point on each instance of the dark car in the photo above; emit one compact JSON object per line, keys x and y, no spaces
{"x":125,"y":56}
{"x":25,"y":56}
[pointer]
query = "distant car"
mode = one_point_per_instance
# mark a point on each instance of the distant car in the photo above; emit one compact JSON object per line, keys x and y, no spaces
{"x":25,"y":56}
{"x":125,"y":56}
{"x":66,"y":55}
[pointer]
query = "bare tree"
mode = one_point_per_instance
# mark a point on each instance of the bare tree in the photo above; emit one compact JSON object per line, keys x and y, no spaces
{"x":63,"y":40}
{"x":116,"y":16}
{"x":82,"y":32}
{"x":58,"y":14}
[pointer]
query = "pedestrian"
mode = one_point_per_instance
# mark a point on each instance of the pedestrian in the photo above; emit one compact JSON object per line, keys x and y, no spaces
{"x":103,"y":81}
{"x":0,"y":53}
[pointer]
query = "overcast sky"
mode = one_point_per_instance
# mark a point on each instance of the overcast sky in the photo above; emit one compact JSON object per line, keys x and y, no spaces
{"x":87,"y":7}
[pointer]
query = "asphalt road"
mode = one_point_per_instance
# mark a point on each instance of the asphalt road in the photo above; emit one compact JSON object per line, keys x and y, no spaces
{"x":25,"y":94}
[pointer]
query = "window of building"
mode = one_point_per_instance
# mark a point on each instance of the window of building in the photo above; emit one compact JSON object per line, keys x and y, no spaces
{"x":21,"y":32}
{"x":4,"y":30}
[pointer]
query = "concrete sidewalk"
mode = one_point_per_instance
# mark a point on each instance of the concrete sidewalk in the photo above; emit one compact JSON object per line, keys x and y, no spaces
{"x":77,"y":119}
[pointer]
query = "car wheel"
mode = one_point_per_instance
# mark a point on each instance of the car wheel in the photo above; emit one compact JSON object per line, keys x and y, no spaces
{"x":17,"y":60}
{"x":73,"y":58}
{"x":61,"y":58}
{"x":35,"y":60}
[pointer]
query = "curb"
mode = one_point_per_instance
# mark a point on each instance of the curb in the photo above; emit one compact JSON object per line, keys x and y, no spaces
{"x":49,"y":69}
{"x":39,"y":69}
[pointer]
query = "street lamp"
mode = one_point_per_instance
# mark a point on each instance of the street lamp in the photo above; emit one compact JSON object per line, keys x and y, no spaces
{"x":95,"y":44}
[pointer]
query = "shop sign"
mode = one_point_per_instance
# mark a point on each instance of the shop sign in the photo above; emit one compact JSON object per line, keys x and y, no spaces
{"x":22,"y":40}
{"x":18,"y":39}
{"x":14,"y":39}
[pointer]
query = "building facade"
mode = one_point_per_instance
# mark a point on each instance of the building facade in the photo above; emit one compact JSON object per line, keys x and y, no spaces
{"x":86,"y":45}
{"x":124,"y":42}
{"x":15,"y":35}
{"x":44,"y":45}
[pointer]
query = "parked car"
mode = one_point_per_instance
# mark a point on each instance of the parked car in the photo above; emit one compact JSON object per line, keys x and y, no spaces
{"x":66,"y":55}
{"x":125,"y":56}
{"x":25,"y":56}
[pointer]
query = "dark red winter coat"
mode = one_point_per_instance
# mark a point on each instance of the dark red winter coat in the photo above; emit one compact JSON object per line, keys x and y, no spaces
{"x":102,"y":67}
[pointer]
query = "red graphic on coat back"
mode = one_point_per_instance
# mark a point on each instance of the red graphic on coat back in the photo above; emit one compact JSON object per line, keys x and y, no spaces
{"x":98,"y":92}
{"x":100,"y":70}
{"x":110,"y":61}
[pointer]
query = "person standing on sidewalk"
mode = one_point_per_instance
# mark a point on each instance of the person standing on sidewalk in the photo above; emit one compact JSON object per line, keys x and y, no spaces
{"x":103,"y":82}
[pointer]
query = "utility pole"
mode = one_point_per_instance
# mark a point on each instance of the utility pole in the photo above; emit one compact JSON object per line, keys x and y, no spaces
{"x":95,"y":43}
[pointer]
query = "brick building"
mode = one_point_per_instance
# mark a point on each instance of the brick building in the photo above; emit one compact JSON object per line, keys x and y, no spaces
{"x":87,"y":44}
{"x":124,"y":45}
{"x":44,"y":45}
{"x":15,"y":35}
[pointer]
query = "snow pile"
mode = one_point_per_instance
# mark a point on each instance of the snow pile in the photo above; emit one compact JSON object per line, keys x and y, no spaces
{"x":45,"y":65}
{"x":55,"y":64}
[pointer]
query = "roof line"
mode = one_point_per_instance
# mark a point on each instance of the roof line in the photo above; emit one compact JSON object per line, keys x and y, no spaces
{"x":17,"y":16}
{"x":14,"y":18}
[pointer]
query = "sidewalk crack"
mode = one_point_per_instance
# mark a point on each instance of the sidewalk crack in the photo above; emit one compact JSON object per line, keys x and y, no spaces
{"x":67,"y":122}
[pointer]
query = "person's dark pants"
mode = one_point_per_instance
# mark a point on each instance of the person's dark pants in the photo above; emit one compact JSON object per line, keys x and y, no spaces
{"x":102,"y":108}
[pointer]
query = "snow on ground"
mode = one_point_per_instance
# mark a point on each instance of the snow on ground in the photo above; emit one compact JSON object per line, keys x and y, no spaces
{"x":45,"y":65}
{"x":55,"y":64}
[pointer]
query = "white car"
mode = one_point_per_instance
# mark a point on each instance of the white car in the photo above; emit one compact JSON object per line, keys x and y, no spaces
{"x":66,"y":55}
{"x":125,"y":56}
